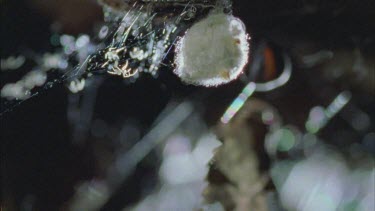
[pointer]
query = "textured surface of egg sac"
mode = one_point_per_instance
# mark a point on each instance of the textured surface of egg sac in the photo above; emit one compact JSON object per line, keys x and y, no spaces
{"x":213,"y":51}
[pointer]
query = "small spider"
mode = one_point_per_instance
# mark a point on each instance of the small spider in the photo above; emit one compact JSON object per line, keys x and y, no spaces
{"x":113,"y":58}
{"x":123,"y":70}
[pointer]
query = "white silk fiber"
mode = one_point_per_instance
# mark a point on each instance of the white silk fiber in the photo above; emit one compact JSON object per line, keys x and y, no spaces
{"x":213,"y":51}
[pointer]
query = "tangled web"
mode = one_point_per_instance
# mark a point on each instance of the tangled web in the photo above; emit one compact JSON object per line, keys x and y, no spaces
{"x":137,"y":38}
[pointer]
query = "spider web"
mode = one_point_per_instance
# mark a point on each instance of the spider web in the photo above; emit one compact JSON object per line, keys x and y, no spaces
{"x":139,"y":40}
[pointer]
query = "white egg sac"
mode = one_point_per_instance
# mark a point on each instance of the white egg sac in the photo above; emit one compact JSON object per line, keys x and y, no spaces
{"x":213,"y":51}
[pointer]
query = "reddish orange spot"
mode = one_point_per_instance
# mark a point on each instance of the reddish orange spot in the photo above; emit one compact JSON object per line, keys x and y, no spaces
{"x":269,"y":64}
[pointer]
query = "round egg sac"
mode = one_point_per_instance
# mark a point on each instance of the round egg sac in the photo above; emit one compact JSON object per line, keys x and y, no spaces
{"x":213,"y":51}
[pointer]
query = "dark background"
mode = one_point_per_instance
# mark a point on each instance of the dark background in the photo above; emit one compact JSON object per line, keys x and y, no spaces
{"x":39,"y":161}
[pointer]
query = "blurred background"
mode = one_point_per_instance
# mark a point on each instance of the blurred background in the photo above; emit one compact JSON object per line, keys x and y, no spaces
{"x":155,"y":143}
